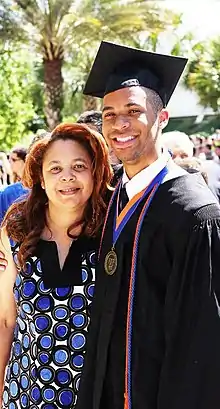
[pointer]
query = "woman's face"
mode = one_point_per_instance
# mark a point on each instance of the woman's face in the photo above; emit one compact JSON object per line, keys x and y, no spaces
{"x":67,"y":175}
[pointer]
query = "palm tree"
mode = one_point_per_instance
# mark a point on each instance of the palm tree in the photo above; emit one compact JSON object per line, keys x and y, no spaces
{"x":55,"y":27}
{"x":135,"y":23}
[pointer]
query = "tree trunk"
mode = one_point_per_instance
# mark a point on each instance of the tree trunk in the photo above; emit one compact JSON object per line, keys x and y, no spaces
{"x":53,"y":91}
{"x":90,"y":103}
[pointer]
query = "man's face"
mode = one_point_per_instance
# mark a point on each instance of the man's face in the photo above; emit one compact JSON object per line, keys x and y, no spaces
{"x":130,"y":124}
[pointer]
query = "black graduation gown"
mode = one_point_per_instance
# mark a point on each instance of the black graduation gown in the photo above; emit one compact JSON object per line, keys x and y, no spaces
{"x":176,"y":317}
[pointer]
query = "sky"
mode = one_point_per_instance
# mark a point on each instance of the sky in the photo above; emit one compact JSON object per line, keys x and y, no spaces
{"x":202,"y":17}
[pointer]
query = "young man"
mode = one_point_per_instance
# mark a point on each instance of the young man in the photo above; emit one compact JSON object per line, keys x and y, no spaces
{"x":154,"y":340}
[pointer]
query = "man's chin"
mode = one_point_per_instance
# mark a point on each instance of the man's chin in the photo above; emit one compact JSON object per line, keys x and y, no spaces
{"x":126,"y":159}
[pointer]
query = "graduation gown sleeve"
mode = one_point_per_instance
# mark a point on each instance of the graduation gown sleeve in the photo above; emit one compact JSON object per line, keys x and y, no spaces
{"x":191,"y":365}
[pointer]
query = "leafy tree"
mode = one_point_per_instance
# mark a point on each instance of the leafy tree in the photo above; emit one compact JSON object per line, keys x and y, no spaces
{"x":80,"y":58}
{"x":36,"y":92}
{"x":10,"y":28}
{"x":203,"y":74}
{"x":54,"y":27}
{"x":16,"y":107}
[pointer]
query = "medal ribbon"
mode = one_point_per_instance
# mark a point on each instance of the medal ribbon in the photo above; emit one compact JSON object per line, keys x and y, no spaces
{"x":119,"y":223}
{"x":122,"y":219}
{"x":129,"y":326}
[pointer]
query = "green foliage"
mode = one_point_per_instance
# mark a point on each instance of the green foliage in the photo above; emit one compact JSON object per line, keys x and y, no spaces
{"x":204,"y":73}
{"x":70,"y":31}
{"x":16,"y":107}
{"x":56,"y":28}
{"x":135,"y":23}
{"x":119,"y":21}
{"x":10,"y":27}
{"x":36,"y":91}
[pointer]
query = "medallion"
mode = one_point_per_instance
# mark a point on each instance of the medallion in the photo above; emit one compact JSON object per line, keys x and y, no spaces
{"x":111,"y":262}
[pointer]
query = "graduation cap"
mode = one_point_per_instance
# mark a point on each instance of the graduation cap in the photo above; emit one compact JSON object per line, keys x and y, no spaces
{"x":117,"y":66}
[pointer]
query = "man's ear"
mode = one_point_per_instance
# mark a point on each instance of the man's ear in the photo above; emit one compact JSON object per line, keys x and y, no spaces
{"x":163,"y":118}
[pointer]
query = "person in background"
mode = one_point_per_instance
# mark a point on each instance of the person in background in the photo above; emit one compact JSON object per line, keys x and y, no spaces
{"x":182,"y":149}
{"x":17,"y":160}
{"x":208,"y":149}
{"x":51,"y":268}
{"x":212,"y":167}
{"x":192,"y":165}
{"x":94,"y":120}
{"x":199,"y":143}
{"x":3,"y":176}
{"x":16,"y":190}
{"x":216,"y":149}
{"x":178,"y":143}
{"x":8,"y":175}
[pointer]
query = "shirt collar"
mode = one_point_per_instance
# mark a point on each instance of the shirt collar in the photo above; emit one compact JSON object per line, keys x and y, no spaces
{"x":142,"y":179}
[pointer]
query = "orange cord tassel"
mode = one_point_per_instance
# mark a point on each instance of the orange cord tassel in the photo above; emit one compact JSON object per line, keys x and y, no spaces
{"x":126,"y":401}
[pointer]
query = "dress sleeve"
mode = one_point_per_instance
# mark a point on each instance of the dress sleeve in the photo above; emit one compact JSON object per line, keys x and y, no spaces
{"x":190,"y":376}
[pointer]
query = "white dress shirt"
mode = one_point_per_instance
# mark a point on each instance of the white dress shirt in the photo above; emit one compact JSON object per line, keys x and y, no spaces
{"x":142,"y":179}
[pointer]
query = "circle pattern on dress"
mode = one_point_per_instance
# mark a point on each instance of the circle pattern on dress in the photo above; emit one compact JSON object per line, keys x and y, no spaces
{"x":28,"y":289}
{"x":49,"y":394}
{"x":60,"y":313}
{"x":77,"y":302}
{"x":77,"y":341}
{"x":24,"y":400}
{"x":44,"y":303}
{"x":15,"y":368}
{"x":65,"y":397}
{"x":63,"y":377}
{"x":27,"y":272}
{"x":24,"y":381}
{"x":48,"y":350}
{"x":61,"y":331}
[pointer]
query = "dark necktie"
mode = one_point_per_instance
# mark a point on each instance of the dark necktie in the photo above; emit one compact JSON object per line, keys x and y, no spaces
{"x":123,"y":199}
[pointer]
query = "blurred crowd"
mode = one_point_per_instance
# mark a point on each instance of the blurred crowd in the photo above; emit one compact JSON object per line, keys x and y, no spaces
{"x":11,"y":171}
{"x":196,"y":153}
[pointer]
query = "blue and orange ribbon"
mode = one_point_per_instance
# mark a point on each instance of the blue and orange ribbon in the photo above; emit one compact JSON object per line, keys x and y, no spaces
{"x":120,"y":220}
{"x":128,"y":354}
{"x":119,"y":223}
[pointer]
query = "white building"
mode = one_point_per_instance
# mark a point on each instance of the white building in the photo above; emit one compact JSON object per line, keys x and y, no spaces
{"x":186,"y":103}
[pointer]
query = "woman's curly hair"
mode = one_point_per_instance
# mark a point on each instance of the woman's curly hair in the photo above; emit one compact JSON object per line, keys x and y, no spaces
{"x":26,"y":219}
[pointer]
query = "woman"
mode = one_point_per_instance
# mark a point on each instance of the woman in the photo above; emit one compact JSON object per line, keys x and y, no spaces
{"x":56,"y":233}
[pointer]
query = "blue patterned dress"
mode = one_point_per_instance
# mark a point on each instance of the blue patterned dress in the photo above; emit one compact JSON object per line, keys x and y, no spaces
{"x":53,"y":309}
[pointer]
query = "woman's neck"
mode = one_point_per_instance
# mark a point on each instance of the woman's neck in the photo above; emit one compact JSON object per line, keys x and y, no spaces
{"x":58,"y":223}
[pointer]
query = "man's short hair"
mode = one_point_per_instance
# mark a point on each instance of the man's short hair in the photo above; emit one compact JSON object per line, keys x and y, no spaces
{"x":21,"y":152}
{"x":154,"y":99}
{"x":38,"y":137}
{"x":91,"y":118}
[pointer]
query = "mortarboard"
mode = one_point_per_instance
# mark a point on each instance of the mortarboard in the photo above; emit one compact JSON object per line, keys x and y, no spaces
{"x":118,"y":66}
